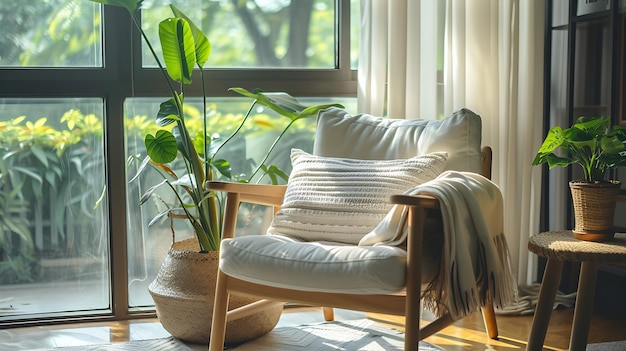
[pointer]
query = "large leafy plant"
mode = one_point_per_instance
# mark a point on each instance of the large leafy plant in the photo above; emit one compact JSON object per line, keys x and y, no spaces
{"x":184,"y":47}
{"x":590,"y":142}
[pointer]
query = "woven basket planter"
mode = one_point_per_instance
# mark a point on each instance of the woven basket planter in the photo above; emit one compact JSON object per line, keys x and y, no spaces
{"x":184,"y":291}
{"x":594,"y":209}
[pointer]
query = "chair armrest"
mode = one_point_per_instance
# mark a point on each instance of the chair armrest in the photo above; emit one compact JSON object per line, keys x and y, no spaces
{"x":423,"y":201}
{"x":262,"y":194}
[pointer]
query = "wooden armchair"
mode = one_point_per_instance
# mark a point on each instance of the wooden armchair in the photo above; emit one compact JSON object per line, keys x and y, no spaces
{"x":404,"y":300}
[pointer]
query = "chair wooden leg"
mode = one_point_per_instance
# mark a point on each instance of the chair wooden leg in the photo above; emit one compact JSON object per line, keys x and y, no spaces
{"x":251,"y":308}
{"x":220,"y":308}
{"x":489,"y":317}
{"x":435,"y":326}
{"x":329,"y":314}
{"x":414,"y":279}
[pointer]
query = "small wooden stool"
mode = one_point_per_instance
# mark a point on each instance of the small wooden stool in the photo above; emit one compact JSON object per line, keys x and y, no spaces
{"x":558,"y":247}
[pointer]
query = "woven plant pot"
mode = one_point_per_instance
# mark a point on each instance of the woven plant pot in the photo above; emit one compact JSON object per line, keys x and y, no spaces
{"x":594,"y":209}
{"x":184,"y":291}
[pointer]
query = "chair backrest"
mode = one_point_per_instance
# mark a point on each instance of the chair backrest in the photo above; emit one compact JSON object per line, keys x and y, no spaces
{"x":340,"y":134}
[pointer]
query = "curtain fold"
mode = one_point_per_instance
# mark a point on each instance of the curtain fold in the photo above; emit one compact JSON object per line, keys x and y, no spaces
{"x":491,"y":59}
{"x":398,"y":58}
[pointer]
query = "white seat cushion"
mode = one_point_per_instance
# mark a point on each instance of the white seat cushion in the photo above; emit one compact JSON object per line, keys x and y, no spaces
{"x":284,"y":262}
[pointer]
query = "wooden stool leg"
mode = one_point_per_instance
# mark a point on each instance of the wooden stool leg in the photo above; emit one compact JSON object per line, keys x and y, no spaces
{"x":584,"y":306}
{"x":547,"y":293}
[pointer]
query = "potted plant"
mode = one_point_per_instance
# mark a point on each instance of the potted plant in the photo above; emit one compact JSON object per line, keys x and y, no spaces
{"x":184,"y":287}
{"x":597,"y":147}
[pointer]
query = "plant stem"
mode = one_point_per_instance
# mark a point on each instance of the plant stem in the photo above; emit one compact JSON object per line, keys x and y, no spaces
{"x":205,"y":243}
{"x":269,"y":151}
{"x":156,"y":57}
{"x":232,"y":135}
{"x":213,"y":211}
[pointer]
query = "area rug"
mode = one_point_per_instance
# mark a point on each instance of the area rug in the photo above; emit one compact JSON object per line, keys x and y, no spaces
{"x":354,"y":335}
{"x":167,"y":344}
{"x":608,"y":346}
{"x":351,"y":335}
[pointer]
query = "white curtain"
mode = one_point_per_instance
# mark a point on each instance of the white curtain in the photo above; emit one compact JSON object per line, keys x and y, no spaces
{"x":492,"y":64}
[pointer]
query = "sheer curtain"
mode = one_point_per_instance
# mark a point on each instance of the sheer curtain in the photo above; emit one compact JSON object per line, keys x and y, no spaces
{"x":429,"y":58}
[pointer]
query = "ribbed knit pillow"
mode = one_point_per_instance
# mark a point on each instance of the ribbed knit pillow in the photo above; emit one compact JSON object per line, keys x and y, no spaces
{"x":341,"y":199}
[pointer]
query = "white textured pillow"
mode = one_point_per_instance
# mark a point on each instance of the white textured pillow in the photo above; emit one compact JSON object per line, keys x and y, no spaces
{"x":341,"y":199}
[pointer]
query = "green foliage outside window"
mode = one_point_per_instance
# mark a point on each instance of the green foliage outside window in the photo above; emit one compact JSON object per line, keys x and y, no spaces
{"x":67,"y":33}
{"x":46,"y":167}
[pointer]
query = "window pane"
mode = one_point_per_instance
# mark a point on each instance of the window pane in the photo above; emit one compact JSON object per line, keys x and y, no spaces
{"x":268,"y":33}
{"x":52,"y":33}
{"x":558,"y":116}
{"x":592,"y":69}
{"x":355,"y":32}
{"x":54,"y":253}
{"x":560,"y":12}
{"x":147,"y":246}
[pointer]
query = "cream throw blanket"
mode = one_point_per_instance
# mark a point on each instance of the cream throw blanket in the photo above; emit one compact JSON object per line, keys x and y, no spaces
{"x":475,"y":264}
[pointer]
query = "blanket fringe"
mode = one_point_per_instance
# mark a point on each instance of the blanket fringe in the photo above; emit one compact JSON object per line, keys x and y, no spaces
{"x":493,"y":284}
{"x":506,"y":288}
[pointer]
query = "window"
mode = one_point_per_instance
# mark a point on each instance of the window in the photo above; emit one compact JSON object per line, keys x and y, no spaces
{"x":78,"y":95}
{"x":255,"y":34}
{"x":52,"y":234}
{"x":55,"y":33}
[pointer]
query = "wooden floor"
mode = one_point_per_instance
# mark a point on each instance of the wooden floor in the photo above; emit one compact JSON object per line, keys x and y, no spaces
{"x":468,"y":334}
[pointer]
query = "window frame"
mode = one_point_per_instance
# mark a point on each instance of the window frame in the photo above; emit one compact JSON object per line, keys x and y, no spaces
{"x":118,"y":80}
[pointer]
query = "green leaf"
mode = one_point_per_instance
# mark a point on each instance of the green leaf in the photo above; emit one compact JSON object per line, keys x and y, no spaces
{"x":619,"y":132}
{"x":142,"y":166}
{"x":168,"y":113}
{"x":50,"y":177}
{"x":215,"y":143}
{"x":594,"y":126}
{"x":185,"y":180}
{"x":611,"y":145}
{"x":283,"y":103}
{"x":187,"y":149}
{"x":274,"y":173}
{"x":130,"y":5}
{"x":28,"y":172}
{"x":161,"y":147}
{"x":40,"y":154}
{"x":614,"y":160}
{"x":150,"y":191}
{"x":198,"y":143}
{"x":578,"y":135}
{"x":159,"y":216}
{"x":554,"y":161}
{"x":553,"y":140}
{"x":223,"y":167}
{"x":202,"y":44}
{"x":312,"y":111}
{"x":178,"y":49}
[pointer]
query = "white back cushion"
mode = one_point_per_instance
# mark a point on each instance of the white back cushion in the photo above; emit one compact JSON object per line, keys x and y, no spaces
{"x":340,"y":199}
{"x":340,"y":134}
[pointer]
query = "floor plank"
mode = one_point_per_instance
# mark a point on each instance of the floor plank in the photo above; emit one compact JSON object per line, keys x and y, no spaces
{"x":467,"y":334}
